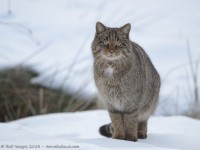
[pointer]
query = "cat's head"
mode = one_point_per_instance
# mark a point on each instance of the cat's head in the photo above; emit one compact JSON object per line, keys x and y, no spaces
{"x":111,"y":43}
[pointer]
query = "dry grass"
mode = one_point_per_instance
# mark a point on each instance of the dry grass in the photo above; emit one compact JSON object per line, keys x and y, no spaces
{"x":192,"y":93}
{"x":19,"y":98}
{"x":194,"y":69}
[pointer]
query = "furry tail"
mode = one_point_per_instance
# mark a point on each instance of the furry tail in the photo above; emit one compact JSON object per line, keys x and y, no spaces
{"x":106,"y":130}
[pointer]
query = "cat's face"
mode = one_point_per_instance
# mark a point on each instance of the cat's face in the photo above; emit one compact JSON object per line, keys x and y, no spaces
{"x":111,"y":43}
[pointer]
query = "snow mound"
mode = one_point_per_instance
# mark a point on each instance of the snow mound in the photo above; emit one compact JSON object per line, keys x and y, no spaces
{"x":80,"y":131}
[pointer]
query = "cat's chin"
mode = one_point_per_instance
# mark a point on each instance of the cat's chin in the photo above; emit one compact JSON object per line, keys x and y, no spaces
{"x":112,"y":58}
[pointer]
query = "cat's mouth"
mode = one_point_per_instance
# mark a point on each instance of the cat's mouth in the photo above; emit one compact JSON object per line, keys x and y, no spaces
{"x":111,"y":56}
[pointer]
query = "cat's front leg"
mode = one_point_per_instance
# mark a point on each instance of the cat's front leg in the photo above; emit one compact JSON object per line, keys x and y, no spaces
{"x":117,"y":125}
{"x":131,"y":125}
{"x":142,"y":129}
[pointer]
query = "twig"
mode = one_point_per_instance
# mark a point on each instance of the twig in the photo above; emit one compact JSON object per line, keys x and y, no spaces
{"x":41,"y":100}
{"x":172,"y":70}
{"x":194,"y":73}
{"x":38,"y":51}
{"x":6,"y":105}
{"x":77,"y":55}
{"x":23,"y":28}
{"x":164,"y":101}
{"x":177,"y":99}
{"x":189,"y":91}
{"x":9,"y":8}
{"x":152,"y":20}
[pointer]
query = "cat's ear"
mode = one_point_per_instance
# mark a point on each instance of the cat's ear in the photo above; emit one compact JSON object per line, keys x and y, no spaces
{"x":126,"y":28}
{"x":100,"y":27}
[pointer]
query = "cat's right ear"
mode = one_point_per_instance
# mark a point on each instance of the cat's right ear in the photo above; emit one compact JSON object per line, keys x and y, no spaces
{"x":100,"y":27}
{"x":126,"y":28}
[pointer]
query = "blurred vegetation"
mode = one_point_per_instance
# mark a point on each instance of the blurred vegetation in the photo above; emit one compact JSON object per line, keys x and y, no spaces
{"x":192,"y":91}
{"x":19,"y":98}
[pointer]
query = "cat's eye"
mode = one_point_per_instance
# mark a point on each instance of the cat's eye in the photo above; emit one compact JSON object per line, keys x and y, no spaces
{"x":101,"y":43}
{"x":119,"y":44}
{"x":105,"y":42}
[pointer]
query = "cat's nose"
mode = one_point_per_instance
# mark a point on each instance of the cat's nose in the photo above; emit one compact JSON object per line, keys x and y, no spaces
{"x":111,"y":51}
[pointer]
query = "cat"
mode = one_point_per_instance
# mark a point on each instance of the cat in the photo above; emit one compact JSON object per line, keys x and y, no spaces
{"x":126,"y":80}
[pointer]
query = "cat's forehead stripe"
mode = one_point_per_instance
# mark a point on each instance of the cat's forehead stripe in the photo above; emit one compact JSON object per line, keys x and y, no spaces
{"x":112,"y":35}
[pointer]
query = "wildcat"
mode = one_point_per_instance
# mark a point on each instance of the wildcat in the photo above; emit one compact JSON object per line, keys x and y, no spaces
{"x":126,"y":80}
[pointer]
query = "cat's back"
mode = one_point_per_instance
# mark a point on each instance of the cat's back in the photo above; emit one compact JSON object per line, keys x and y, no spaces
{"x":143,"y":60}
{"x":150,"y":76}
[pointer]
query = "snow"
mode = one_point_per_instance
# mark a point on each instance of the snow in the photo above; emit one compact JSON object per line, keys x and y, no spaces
{"x":81,"y":129}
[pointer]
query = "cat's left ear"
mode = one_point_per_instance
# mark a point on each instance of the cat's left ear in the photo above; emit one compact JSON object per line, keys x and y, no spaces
{"x":126,"y":28}
{"x":100,"y":27}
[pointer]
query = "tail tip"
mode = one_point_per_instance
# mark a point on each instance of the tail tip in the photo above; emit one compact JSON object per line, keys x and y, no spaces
{"x":104,"y":130}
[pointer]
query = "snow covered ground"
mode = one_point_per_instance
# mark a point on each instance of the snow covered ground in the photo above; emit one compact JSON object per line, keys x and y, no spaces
{"x":81,"y":129}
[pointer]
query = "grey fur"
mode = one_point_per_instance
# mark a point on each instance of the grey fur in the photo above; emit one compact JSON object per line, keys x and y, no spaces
{"x":126,"y":80}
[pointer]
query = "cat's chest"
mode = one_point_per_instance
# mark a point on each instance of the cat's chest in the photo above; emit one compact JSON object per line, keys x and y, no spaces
{"x":109,"y":71}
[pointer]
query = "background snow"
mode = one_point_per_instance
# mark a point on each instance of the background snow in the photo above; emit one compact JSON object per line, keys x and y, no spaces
{"x":54,"y":38}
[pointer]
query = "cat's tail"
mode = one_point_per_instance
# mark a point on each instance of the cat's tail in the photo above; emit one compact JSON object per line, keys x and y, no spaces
{"x":106,"y":130}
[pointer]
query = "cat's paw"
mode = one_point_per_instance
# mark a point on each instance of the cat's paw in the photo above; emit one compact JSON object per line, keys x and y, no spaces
{"x":131,"y":138}
{"x":118,"y":136}
{"x":142,"y":135}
